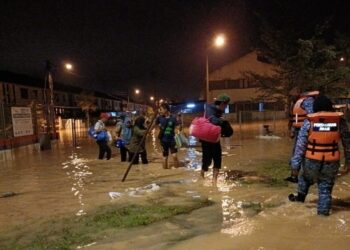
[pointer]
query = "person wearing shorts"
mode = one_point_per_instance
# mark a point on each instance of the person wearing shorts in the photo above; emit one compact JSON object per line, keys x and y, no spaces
{"x":167,"y":124}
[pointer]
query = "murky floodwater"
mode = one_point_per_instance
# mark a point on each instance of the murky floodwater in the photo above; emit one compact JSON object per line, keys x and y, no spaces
{"x":67,"y":181}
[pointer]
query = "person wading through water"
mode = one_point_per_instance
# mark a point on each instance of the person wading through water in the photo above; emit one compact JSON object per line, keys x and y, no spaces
{"x":212,"y":151}
{"x":167,"y":124}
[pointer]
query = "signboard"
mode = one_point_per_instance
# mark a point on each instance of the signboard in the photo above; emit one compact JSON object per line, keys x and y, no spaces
{"x":22,"y":121}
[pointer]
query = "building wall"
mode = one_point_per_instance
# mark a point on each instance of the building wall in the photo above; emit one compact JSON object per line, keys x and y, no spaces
{"x":235,"y":71}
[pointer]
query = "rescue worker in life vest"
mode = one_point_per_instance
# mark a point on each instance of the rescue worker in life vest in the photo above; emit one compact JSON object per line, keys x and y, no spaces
{"x":302,"y":107}
{"x":317,"y":147}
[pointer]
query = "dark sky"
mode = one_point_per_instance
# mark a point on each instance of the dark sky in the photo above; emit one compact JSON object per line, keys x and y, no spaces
{"x":119,"y":44}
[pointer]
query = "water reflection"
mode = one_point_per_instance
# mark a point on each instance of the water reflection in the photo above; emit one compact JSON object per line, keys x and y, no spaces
{"x":42,"y":178}
{"x":235,"y":220}
{"x":77,"y":170}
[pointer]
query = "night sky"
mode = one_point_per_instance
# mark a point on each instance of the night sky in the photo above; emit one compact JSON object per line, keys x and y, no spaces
{"x":153,"y":45}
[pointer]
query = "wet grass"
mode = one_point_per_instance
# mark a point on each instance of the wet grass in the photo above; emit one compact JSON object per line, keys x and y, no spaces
{"x":276,"y":170}
{"x":270,"y":173}
{"x":105,"y":222}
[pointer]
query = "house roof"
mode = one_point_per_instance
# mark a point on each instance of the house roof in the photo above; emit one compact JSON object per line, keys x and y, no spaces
{"x":25,"y":80}
{"x":249,"y":62}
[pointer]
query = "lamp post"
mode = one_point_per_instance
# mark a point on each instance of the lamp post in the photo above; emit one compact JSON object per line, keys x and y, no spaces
{"x":45,"y":139}
{"x":218,"y":42}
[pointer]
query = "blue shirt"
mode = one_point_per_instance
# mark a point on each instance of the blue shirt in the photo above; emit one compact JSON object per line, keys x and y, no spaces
{"x":308,"y":105}
{"x":124,"y":131}
{"x":167,"y":124}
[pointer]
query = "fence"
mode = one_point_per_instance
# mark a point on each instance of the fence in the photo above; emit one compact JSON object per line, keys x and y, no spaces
{"x":7,"y":137}
{"x":252,"y":122}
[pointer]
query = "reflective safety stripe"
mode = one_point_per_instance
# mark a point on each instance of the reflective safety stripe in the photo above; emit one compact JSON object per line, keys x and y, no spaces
{"x":323,"y":136}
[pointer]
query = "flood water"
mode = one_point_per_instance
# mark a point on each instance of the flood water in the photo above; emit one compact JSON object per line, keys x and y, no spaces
{"x":71,"y":181}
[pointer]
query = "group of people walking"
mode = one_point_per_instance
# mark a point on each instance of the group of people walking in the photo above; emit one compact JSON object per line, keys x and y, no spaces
{"x":130,"y":137}
{"x":315,"y":125}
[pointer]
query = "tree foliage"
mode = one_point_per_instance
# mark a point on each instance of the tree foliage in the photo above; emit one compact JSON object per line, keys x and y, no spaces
{"x":316,"y":60}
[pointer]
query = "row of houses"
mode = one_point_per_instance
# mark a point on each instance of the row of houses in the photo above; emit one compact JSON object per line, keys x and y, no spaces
{"x":23,"y":96}
{"x":18,"y":90}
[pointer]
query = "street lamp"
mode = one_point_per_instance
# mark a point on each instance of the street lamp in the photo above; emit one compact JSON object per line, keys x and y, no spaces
{"x":68,"y":66}
{"x":45,"y":140}
{"x":218,"y":42}
{"x":151,"y":98}
{"x":136,"y":91}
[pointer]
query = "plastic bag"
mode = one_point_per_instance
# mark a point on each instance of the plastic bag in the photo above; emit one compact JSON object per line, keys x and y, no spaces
{"x":178,"y":141}
{"x":184,"y":139}
{"x":102,"y":136}
{"x":92,"y":132}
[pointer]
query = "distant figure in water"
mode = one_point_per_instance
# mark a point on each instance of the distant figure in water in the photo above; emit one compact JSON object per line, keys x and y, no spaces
{"x":317,"y":153}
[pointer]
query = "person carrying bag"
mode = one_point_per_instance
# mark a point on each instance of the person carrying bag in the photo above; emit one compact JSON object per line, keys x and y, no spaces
{"x":212,"y":127}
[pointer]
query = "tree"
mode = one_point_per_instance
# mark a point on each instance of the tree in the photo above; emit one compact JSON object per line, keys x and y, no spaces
{"x":303,"y":64}
{"x":87,"y":103}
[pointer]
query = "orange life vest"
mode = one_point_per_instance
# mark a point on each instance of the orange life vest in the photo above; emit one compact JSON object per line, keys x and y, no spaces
{"x":324,"y":136}
{"x":299,"y":114}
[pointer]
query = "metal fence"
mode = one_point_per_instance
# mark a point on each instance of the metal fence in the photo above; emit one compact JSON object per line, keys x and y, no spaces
{"x":252,"y":122}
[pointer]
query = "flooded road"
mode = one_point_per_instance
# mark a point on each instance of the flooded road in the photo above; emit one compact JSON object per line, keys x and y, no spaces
{"x":246,"y":215}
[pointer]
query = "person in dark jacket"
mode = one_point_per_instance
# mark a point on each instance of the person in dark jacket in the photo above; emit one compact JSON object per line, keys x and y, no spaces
{"x":318,"y":155}
{"x":212,"y":151}
{"x":138,"y":132}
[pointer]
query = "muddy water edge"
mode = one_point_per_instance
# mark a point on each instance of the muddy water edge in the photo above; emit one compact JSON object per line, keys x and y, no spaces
{"x":250,"y":209}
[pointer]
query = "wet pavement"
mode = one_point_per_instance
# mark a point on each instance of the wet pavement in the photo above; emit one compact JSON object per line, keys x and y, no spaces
{"x":71,"y":181}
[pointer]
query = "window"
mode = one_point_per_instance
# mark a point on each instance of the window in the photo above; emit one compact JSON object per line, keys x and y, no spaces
{"x":233,"y":84}
{"x":217,"y":84}
{"x":24,"y":93}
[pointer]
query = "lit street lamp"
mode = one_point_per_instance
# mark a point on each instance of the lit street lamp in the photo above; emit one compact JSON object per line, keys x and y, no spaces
{"x":45,"y":140}
{"x":219,"y":41}
{"x":137,"y":92}
{"x":68,"y":66}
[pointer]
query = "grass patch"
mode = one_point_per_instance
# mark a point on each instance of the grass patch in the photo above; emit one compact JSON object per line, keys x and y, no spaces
{"x":105,"y":221}
{"x":276,"y":170}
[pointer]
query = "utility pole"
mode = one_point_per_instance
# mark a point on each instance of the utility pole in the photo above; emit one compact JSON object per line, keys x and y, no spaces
{"x":45,"y":139}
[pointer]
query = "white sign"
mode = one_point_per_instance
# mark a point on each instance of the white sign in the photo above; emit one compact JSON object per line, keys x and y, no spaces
{"x":22,"y":121}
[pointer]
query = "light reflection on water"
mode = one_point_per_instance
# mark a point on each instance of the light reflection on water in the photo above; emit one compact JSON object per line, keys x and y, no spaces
{"x":77,"y":170}
{"x":235,"y":220}
{"x":73,"y":173}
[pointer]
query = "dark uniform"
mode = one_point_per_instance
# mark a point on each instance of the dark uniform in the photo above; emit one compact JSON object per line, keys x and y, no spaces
{"x":318,"y":154}
{"x":302,"y":107}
